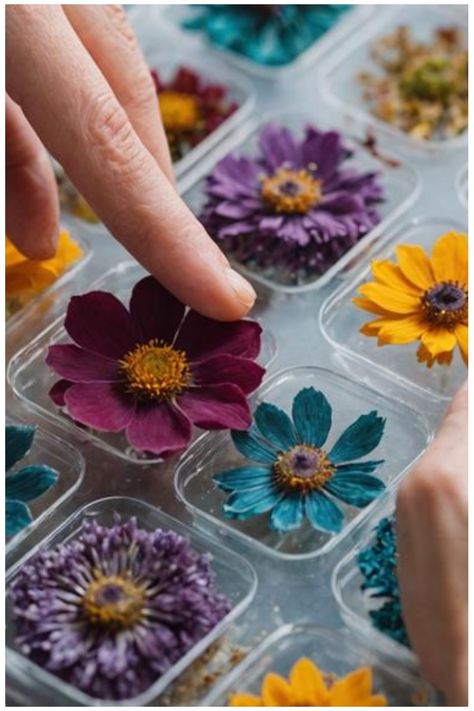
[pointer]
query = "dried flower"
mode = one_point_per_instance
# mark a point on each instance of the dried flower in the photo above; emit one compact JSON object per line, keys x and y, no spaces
{"x":151,"y":372}
{"x":421,"y":299}
{"x":70,"y":199}
{"x":112,"y":609}
{"x":298,"y":477}
{"x":307,"y":685}
{"x":294,"y":207}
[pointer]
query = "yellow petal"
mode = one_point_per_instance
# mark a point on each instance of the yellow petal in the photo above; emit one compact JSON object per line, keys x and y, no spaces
{"x":375,"y":700}
{"x":352,"y":688}
{"x":415,"y":265}
{"x":391,"y":275}
{"x":462,"y":336}
{"x":276,"y":691}
{"x":450,"y":257}
{"x":392,"y":300}
{"x":398,"y":332}
{"x":369,"y":306}
{"x":307,"y":684}
{"x":244,"y":700}
{"x":372,"y":328}
{"x":28,"y":277}
{"x":438,"y":340}
{"x":12,"y":255}
{"x":424,"y":356}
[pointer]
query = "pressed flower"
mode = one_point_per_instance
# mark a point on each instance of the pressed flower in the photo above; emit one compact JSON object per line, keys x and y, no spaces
{"x":267,"y":34}
{"x":25,"y":278}
{"x":70,"y":199}
{"x":423,"y":86}
{"x":295,"y":476}
{"x":419,"y":298}
{"x":113,"y":608}
{"x":378,"y":564}
{"x":191,"y":108}
{"x":25,"y":484}
{"x":295,"y":207}
{"x":307,"y":685}
{"x":154,"y":371}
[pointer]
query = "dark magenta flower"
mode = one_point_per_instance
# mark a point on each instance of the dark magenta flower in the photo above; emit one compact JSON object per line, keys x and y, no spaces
{"x":154,"y":371}
{"x":295,"y":206}
{"x":111,"y":610}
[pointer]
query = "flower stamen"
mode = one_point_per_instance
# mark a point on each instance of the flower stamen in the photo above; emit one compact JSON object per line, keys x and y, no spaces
{"x":155,"y":370}
{"x":446,"y":303}
{"x":303,"y":468}
{"x":179,"y":111}
{"x":113,"y":602}
{"x":291,"y":191}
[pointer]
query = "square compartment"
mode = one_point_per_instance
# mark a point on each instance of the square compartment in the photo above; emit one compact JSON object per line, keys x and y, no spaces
{"x":339,"y":75}
{"x":340,"y":321}
{"x":462,"y":187}
{"x":31,"y":379}
{"x":63,"y":458}
{"x":235,"y":578}
{"x":401,"y":184}
{"x":333,"y":651}
{"x":216,"y":453}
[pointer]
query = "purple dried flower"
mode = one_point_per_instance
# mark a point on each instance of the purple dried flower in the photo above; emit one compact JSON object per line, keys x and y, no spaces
{"x":114,"y":608}
{"x":295,"y":206}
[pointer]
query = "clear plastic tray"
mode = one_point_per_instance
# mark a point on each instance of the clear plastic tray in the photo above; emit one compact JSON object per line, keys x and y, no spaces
{"x":216,"y":453}
{"x":337,"y":652}
{"x":338,"y":76}
{"x":31,"y":379}
{"x":462,"y":186}
{"x":401,"y":186}
{"x":340,"y":321}
{"x":235,"y":578}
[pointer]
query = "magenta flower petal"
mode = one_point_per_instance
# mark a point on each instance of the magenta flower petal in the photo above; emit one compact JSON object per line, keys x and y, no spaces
{"x":100,"y":323}
{"x":244,"y":373}
{"x":216,"y":407}
{"x":155,"y":311}
{"x":57,"y":392}
{"x":100,"y":405}
{"x":80,"y":366}
{"x":159,"y":428}
{"x":201,"y":337}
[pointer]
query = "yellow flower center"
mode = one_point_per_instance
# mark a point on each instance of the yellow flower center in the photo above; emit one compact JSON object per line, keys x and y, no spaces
{"x":113,"y":602}
{"x":446,"y":303}
{"x":179,"y":112}
{"x":303,"y":468}
{"x":293,"y":192}
{"x":155,"y":370}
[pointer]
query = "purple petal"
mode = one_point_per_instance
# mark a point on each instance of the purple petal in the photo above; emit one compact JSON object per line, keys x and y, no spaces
{"x":278,"y":146}
{"x":80,"y":366}
{"x":271,"y":224}
{"x":102,"y":406}
{"x":342,"y":202}
{"x":216,"y":407}
{"x":58,"y":391}
{"x":159,"y":428}
{"x":233,"y":210}
{"x":235,"y":228}
{"x":100,"y":323}
{"x":242,"y":372}
{"x":324,"y":149}
{"x":155,"y":311}
{"x":292,"y":230}
{"x":202,"y":337}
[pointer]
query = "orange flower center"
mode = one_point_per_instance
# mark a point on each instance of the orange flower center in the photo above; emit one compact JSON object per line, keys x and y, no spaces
{"x":155,"y":370}
{"x":293,"y":192}
{"x":179,"y":111}
{"x":113,"y":602}
{"x":303,"y":468}
{"x":446,"y":303}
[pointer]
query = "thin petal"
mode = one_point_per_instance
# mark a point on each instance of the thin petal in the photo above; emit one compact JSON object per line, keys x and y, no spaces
{"x":254,"y":501}
{"x":102,"y":406}
{"x":355,"y":489}
{"x":391,"y":275}
{"x":359,"y":467}
{"x":368,"y":305}
{"x":312,"y":416}
{"x":18,"y":441}
{"x":415,"y":265}
{"x":308,"y":684}
{"x":323,"y":513}
{"x":439,"y":340}
{"x":393,"y":300}
{"x":462,"y":335}
{"x":79,"y":366}
{"x":244,"y":373}
{"x":30,"y":482}
{"x":251,"y":445}
{"x":401,"y":330}
{"x":450,"y":258}
{"x":58,"y":392}
{"x":17,"y":517}
{"x":159,"y":428}
{"x":354,"y":687}
{"x":243,"y":478}
{"x":155,"y":311}
{"x":202,"y":337}
{"x":288,"y":513}
{"x":358,"y":439}
{"x":276,"y":691}
{"x":244,"y":700}
{"x":275,"y":426}
{"x":216,"y":407}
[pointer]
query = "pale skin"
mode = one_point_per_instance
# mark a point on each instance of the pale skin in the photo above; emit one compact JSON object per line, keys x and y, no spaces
{"x":432,"y":534}
{"x":79,"y":87}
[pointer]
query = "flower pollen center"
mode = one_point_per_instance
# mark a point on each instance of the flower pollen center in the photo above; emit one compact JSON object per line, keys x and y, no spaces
{"x":293,"y":192}
{"x":303,"y":468}
{"x":446,"y":303}
{"x":155,"y":370}
{"x":179,"y":111}
{"x":113,"y":602}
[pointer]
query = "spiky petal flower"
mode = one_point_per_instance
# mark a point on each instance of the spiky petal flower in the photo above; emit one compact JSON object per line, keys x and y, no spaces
{"x":295,"y":207}
{"x":296,"y":476}
{"x":421,"y":299}
{"x":153,"y":371}
{"x":112,"y":609}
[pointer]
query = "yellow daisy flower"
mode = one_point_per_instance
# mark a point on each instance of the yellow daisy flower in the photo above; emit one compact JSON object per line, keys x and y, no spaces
{"x":308,"y":686}
{"x":421,"y":299}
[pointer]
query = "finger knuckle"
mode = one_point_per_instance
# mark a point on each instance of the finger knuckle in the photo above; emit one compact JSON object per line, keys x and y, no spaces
{"x":140,"y":94}
{"x":118,"y":18}
{"x":110,"y":131}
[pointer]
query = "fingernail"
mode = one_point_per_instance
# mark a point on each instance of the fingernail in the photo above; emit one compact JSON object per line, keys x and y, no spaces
{"x":243,"y":290}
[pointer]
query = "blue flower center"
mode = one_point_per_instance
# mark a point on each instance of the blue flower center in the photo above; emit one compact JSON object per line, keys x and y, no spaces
{"x":446,"y":303}
{"x":303,"y":468}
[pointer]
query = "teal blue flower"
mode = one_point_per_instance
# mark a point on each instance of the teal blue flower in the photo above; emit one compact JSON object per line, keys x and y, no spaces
{"x":271,"y":35}
{"x":297,"y":478}
{"x":25,"y":484}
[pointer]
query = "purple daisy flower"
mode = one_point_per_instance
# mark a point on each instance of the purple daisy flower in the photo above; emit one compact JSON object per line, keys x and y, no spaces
{"x":111,"y":610}
{"x":295,"y":206}
{"x":154,"y":371}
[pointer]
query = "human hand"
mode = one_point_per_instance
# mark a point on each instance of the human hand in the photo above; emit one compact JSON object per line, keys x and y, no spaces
{"x":78,"y":85}
{"x":432,"y":535}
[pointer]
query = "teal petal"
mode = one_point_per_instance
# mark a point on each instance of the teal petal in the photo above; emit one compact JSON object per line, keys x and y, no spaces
{"x":323,"y":513}
{"x":18,"y":441}
{"x":355,"y":489}
{"x":288,"y":513}
{"x":312,"y":417}
{"x":359,"y":467}
{"x":17,"y":517}
{"x":30,"y":482}
{"x":358,"y":439}
{"x":243,"y":478}
{"x":275,"y":426}
{"x":251,"y":446}
{"x":253,"y":501}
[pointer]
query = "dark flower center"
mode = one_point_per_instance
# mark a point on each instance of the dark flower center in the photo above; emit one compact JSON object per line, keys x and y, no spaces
{"x":179,"y":111}
{"x":446,"y":303}
{"x":113,"y":602}
{"x":155,"y":370}
{"x":303,"y":468}
{"x":291,"y":191}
